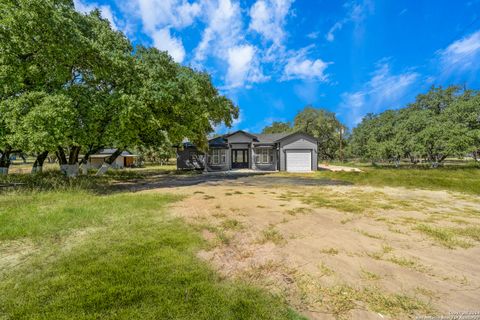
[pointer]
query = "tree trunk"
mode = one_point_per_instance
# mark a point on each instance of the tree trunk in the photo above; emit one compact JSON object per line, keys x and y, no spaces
{"x":443,"y":158}
{"x":108,"y":162}
{"x":62,"y":158}
{"x":5,"y":160}
{"x":38,"y":164}
{"x":84,"y":165}
{"x":413,"y":160}
{"x":73,"y":156}
{"x":397,"y":163}
{"x":69,"y":167}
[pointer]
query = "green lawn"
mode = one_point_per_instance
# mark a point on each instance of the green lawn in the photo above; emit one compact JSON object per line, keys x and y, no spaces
{"x":461,"y":179}
{"x":119,"y":256}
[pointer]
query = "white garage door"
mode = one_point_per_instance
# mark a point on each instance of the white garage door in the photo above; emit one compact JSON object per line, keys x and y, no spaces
{"x":299,"y":160}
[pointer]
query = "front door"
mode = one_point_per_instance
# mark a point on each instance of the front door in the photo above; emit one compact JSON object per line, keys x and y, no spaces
{"x":239,"y":158}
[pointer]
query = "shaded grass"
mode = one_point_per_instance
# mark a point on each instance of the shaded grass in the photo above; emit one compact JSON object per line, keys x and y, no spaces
{"x":142,"y":265}
{"x":54,"y":180}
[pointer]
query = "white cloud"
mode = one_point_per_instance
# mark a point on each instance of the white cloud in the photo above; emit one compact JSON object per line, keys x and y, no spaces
{"x":313,"y":35}
{"x":383,"y":90}
{"x":224,"y":39}
{"x":357,"y":11}
{"x":462,"y":56}
{"x":158,"y":19}
{"x":106,"y":11}
{"x":223,"y":31}
{"x":174,"y":13}
{"x":163,"y":40}
{"x":242,"y":67}
{"x":306,"y":69}
{"x":331,"y":33}
{"x":268,"y":19}
{"x":298,"y":66}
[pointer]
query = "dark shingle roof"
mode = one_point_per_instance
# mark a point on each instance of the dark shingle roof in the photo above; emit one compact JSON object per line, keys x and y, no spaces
{"x":271,"y":137}
{"x":261,"y":138}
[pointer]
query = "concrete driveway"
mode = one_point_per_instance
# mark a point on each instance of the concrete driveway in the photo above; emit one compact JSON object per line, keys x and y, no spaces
{"x":258,"y":179}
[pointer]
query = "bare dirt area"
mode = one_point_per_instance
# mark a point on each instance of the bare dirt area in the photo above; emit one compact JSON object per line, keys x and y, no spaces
{"x":343,"y":251}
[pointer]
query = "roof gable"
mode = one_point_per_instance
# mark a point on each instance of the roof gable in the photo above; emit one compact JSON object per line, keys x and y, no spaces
{"x":240,"y":136}
{"x":302,"y":134}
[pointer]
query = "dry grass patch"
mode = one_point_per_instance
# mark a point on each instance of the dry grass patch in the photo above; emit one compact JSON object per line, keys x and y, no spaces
{"x":272,"y":235}
{"x":341,"y":299}
{"x":367,"y":275}
{"x":325,"y":270}
{"x":219,"y":215}
{"x":354,"y":201}
{"x":447,"y":237}
{"x":232,"y":224}
{"x":319,"y":272}
{"x":298,"y":210}
{"x":330,"y":251}
{"x":370,"y":235}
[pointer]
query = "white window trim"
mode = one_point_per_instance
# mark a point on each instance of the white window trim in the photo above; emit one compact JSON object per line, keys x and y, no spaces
{"x":264,"y":155}
{"x":218,"y":156}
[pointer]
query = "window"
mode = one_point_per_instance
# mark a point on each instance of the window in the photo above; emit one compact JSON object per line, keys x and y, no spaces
{"x":264,"y":155}
{"x":217,"y":156}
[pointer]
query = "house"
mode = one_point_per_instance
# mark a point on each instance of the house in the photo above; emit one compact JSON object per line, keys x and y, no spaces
{"x":124,"y":160}
{"x":293,"y":152}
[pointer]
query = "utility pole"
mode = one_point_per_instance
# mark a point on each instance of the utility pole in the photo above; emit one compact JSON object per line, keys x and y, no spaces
{"x":341,"y":144}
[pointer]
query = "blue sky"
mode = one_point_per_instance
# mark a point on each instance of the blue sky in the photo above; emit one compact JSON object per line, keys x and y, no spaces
{"x":273,"y":57}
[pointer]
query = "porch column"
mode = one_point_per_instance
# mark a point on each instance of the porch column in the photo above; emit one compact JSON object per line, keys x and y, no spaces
{"x":251,"y":156}
{"x":229,"y":156}
{"x":205,"y":160}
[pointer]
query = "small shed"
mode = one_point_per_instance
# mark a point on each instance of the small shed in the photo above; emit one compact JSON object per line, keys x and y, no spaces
{"x":189,"y":158}
{"x":125,"y":160}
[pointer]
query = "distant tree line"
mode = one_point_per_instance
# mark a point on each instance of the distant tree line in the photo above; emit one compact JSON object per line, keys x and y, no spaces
{"x":71,"y":85}
{"x":442,"y":123}
{"x":321,"y":124}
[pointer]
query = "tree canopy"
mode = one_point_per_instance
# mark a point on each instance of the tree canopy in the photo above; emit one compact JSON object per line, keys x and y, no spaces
{"x":325,"y":127}
{"x":319,"y":123}
{"x":441,"y":123}
{"x":277,"y":127}
{"x":70,"y":83}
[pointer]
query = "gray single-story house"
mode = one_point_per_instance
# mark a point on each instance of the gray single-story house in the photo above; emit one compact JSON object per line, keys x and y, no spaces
{"x":293,"y":152}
